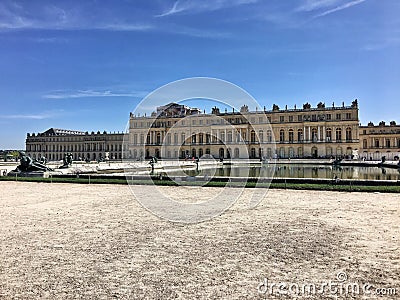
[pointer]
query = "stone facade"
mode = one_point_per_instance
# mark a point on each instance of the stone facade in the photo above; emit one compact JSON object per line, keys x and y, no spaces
{"x":284,"y":133}
{"x":53,"y":143}
{"x":380,"y":140}
{"x":177,"y":131}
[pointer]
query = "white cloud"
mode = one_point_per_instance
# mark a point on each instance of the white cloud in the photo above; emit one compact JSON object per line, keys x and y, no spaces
{"x":92,"y":93}
{"x":310,"y":5}
{"x":35,"y":116}
{"x":195,"y":6}
{"x":340,"y":7}
{"x":55,"y":18}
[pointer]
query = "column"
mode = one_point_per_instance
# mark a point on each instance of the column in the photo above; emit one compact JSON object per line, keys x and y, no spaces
{"x":304,"y":134}
{"x":309,"y":133}
{"x":324,"y":133}
{"x":319,"y":133}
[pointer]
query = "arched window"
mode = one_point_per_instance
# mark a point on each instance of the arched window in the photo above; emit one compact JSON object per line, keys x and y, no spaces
{"x":329,"y":134}
{"x":201,"y":139}
{"x":253,"y":136}
{"x":300,"y":136}
{"x":291,"y":136}
{"x":261,"y":136}
{"x":314,"y":134}
{"x":200,"y":152}
{"x":176,"y":138}
{"x":229,"y":136}
{"x":183,"y":137}
{"x":348,"y":134}
{"x":269,"y":136}
{"x":338,"y":135}
{"x":281,"y":135}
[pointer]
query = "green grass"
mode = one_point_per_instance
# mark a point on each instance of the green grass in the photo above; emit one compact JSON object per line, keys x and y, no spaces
{"x":294,"y":186}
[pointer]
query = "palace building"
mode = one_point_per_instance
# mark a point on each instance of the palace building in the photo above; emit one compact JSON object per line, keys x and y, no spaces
{"x":54,"y":143}
{"x":380,"y":140}
{"x":176,"y":131}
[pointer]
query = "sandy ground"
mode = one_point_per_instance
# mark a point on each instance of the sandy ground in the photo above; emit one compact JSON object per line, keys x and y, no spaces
{"x":96,"y":242}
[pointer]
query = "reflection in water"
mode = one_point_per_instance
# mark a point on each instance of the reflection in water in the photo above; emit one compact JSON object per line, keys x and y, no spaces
{"x":304,"y":171}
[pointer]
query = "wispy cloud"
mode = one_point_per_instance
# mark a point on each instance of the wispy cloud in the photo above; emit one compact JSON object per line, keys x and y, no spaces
{"x":340,"y":7}
{"x":310,"y":5}
{"x":38,"y":116}
{"x":194,"y":6}
{"x":91,"y":94}
{"x":55,"y":18}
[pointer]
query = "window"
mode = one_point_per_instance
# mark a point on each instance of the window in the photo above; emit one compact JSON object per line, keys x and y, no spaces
{"x":260,"y":120}
{"x":261,"y":136}
{"x":300,"y":135}
{"x":253,"y":136}
{"x":387,"y":143}
{"x":314,"y":133}
{"x":329,"y":117}
{"x":229,"y":136}
{"x":348,"y":134}
{"x":338,"y":116}
{"x":269,"y":136}
{"x":281,"y":135}
{"x":282,"y":119}
{"x":299,"y":118}
{"x":338,"y":134}
{"x":201,"y":139}
{"x":194,"y":138}
{"x":365,"y":144}
{"x":377,"y":143}
{"x":183,"y":138}
{"x":348,"y":116}
{"x":314,"y":117}
{"x":175,"y":138}
{"x":328,"y":134}
{"x":291,"y":136}
{"x":290,"y":118}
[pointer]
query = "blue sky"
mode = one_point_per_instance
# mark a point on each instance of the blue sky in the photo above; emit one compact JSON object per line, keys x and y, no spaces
{"x":85,"y":64}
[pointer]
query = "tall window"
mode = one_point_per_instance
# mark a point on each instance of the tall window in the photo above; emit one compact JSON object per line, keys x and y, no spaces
{"x":348,"y":134}
{"x":201,"y":139}
{"x":365,"y":144}
{"x":328,"y":134}
{"x":253,"y":136}
{"x":281,"y":135}
{"x":261,"y":136}
{"x":229,"y":136}
{"x":269,"y":136}
{"x":314,"y":133}
{"x":183,"y":138}
{"x":291,"y":136}
{"x":338,"y":134}
{"x":300,"y":136}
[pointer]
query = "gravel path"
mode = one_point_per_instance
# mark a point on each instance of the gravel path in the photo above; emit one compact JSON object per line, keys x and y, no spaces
{"x":72,"y":241}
